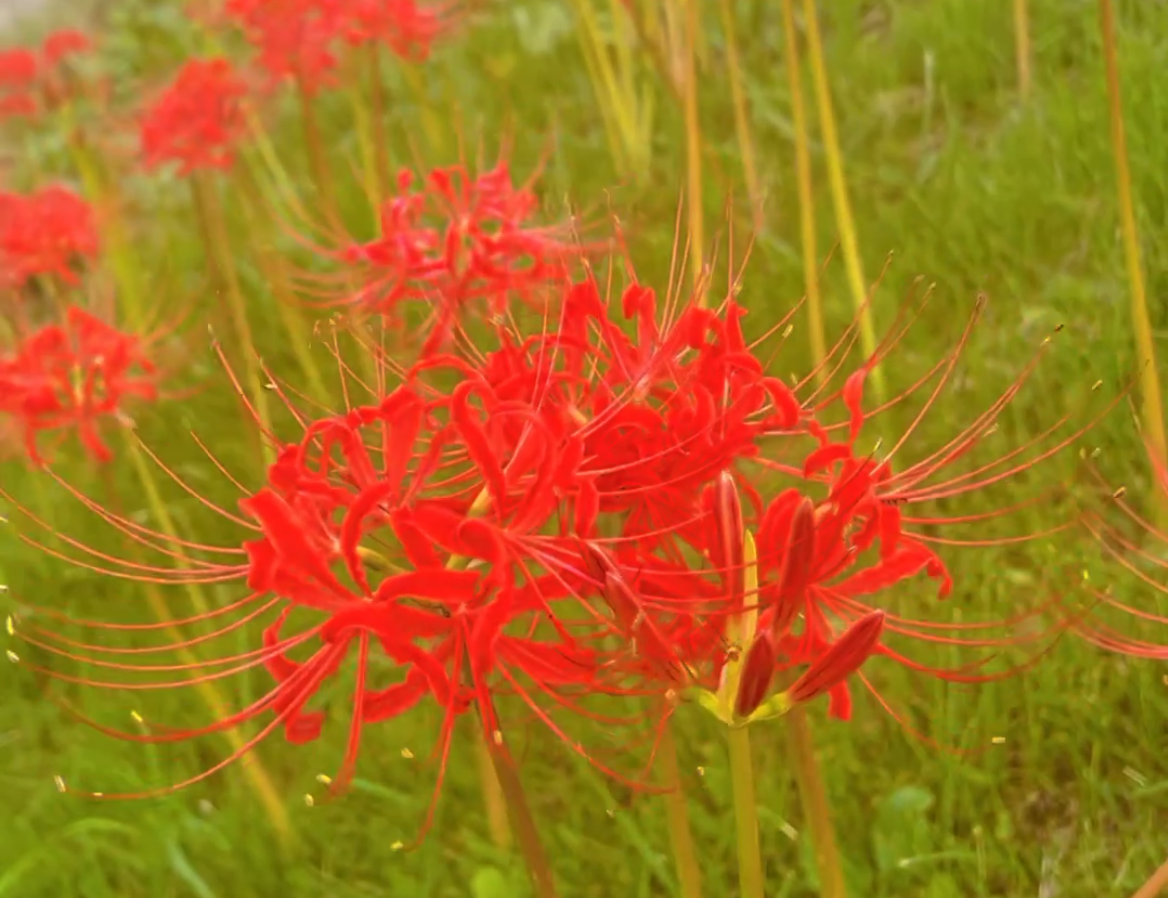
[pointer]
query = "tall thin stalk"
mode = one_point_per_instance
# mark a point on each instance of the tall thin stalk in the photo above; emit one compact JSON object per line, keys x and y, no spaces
{"x":750,"y":875}
{"x":494,"y":799}
{"x":209,"y":209}
{"x":681,"y":840}
{"x":693,"y":147}
{"x":741,"y":113}
{"x":1151,"y":405}
{"x":805,"y":193}
{"x":1022,"y":47}
{"x":813,"y":797}
{"x":839,"y":193}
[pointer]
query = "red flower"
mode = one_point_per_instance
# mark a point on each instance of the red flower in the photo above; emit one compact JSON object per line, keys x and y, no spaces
{"x":294,"y":38}
{"x":407,"y":28}
{"x":42,"y":234}
{"x":196,"y":121}
{"x":61,"y":44}
{"x":71,"y":376}
{"x":458,"y":240}
{"x":23,"y":72}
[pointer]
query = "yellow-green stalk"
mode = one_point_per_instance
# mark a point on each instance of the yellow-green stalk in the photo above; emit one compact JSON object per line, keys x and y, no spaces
{"x":839,"y":194}
{"x":741,"y":114}
{"x":693,"y":149}
{"x":681,"y":840}
{"x":276,"y":277}
{"x":813,"y":797}
{"x":741,"y":633}
{"x":806,"y":195}
{"x":627,"y":113}
{"x":1151,"y":407}
{"x":209,"y":209}
{"x":1022,"y":47}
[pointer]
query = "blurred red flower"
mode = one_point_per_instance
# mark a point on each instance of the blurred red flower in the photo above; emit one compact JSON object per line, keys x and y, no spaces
{"x":196,"y":120}
{"x":44,"y":233}
{"x":70,"y":377}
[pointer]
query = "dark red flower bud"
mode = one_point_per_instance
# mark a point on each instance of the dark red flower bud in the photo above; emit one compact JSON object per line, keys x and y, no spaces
{"x":757,"y":671}
{"x":728,"y":534}
{"x":795,"y":575}
{"x":842,"y":659}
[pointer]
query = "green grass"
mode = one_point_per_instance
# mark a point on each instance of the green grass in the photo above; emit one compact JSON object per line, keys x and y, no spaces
{"x":971,"y":191}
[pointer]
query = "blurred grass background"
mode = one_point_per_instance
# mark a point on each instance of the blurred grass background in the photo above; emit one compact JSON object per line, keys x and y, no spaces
{"x":971,"y":187}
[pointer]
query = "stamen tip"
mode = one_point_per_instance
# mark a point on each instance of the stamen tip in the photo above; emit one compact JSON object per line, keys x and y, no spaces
{"x":309,"y":801}
{"x":407,"y":754}
{"x":324,"y":779}
{"x":13,"y":657}
{"x":59,"y":782}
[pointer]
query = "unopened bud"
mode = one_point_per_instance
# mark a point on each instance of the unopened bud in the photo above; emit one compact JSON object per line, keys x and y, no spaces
{"x":728,"y":537}
{"x":757,"y":671}
{"x":842,"y":659}
{"x":795,"y":576}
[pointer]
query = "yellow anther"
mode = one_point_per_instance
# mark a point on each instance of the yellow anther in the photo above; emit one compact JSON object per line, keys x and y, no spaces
{"x":324,"y":779}
{"x":407,"y":754}
{"x":59,"y":782}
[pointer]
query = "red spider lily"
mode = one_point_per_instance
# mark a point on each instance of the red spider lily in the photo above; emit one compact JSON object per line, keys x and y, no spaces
{"x":405,"y":27}
{"x":64,"y":43}
{"x":24,"y":72}
{"x":196,"y":121}
{"x":72,"y":376}
{"x":455,"y":240}
{"x":407,"y":528}
{"x":18,"y":74}
{"x":43,"y":233}
{"x":294,"y":38}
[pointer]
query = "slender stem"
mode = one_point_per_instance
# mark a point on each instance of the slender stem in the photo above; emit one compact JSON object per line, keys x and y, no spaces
{"x":1151,"y":414}
{"x":839,"y":192}
{"x":210,"y":212}
{"x":693,"y":148}
{"x":321,"y":175}
{"x":494,"y":800}
{"x":522,"y":822}
{"x":381,"y":160}
{"x":1022,"y":47}
{"x":806,"y":196}
{"x":117,"y":250}
{"x":741,"y":113}
{"x":681,"y":840}
{"x":272,"y":268}
{"x":1157,"y":885}
{"x":750,"y":875}
{"x":813,"y":796}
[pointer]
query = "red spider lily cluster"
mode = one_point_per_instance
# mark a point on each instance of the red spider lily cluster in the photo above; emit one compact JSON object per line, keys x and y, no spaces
{"x":70,"y":377}
{"x":550,"y":516}
{"x":197,"y":119}
{"x":25,"y":74}
{"x":44,"y":234}
{"x":453,"y":240}
{"x":300,"y":38}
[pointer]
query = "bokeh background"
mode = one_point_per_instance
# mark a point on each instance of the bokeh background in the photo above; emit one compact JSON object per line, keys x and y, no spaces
{"x":963,"y":173}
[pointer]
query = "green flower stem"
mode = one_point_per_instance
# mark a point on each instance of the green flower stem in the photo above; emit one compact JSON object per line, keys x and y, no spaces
{"x":685,"y":856}
{"x":522,"y":822}
{"x":218,"y":247}
{"x":750,"y":875}
{"x":813,"y":796}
